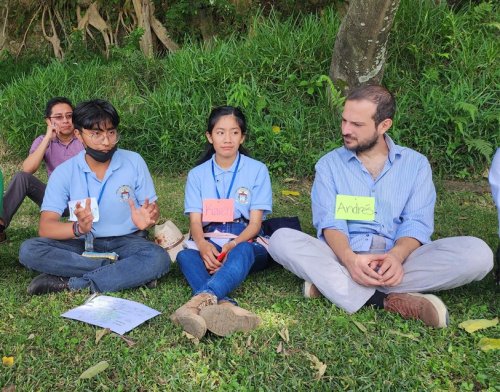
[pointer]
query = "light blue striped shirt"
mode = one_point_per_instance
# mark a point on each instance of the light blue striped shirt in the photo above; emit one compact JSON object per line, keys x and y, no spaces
{"x":404,"y":196}
{"x":494,"y":178}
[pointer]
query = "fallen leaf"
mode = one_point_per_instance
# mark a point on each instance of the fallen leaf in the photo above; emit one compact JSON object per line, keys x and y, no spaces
{"x":193,"y":339}
{"x":487,"y":344}
{"x":279,"y":349}
{"x":249,"y":341}
{"x":474,"y":325}
{"x":32,"y":336}
{"x":11,"y":316}
{"x":284,"y":335}
{"x":9,"y":388}
{"x":405,"y":335}
{"x":316,"y":364}
{"x":290,"y":193}
{"x":94,"y":370}
{"x":361,"y":327}
{"x":290,"y":179}
{"x":99,"y":334}
{"x":8,"y":361}
{"x":129,"y":341}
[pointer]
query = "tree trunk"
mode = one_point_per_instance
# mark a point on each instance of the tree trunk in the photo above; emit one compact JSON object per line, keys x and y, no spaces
{"x":361,"y":45}
{"x":142,"y":10}
{"x":3,"y":31}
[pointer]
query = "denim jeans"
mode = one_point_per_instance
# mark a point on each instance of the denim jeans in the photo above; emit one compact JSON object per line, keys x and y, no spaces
{"x":245,"y":258}
{"x":139,"y":262}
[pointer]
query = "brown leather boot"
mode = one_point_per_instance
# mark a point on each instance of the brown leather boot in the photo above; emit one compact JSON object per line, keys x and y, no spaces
{"x":188,"y":314}
{"x":426,"y":307}
{"x":309,"y":290}
{"x":225,"y":318}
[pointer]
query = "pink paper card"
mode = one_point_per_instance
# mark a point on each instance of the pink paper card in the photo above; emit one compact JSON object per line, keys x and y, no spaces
{"x":218,"y":210}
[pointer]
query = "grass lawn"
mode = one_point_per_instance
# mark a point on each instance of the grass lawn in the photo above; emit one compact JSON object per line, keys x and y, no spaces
{"x":370,"y":350}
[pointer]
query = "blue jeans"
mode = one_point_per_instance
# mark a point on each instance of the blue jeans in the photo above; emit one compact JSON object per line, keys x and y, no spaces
{"x":245,"y":258}
{"x":139,"y":262}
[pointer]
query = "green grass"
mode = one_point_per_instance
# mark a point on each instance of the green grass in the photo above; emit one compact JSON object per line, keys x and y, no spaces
{"x":394,"y":354}
{"x":441,"y":66}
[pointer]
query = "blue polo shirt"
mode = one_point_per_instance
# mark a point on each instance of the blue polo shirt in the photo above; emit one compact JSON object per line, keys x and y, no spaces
{"x":494,"y":178}
{"x":251,"y":189}
{"x":404,"y":196}
{"x":126,"y":177}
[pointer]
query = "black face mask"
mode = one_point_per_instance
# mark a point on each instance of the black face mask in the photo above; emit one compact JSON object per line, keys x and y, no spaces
{"x":101,"y":156}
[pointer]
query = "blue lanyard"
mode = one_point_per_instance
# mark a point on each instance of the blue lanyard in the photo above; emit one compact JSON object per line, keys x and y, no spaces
{"x":100,"y":192}
{"x":232,"y":180}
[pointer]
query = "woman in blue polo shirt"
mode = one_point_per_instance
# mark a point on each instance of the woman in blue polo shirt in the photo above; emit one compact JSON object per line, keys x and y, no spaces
{"x":227,"y":196}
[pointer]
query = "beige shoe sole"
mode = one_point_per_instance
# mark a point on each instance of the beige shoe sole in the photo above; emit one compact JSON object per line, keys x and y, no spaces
{"x":193,"y":325}
{"x":441,"y":308}
{"x":224,"y":320}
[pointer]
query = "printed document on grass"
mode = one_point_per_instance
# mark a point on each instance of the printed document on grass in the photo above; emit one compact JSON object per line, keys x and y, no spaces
{"x":117,"y":314}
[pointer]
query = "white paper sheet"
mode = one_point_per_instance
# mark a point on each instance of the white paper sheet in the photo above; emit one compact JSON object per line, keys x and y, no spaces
{"x":117,"y":314}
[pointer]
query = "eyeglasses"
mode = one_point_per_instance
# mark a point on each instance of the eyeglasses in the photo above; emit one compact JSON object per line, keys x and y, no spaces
{"x":60,"y":117}
{"x":98,"y":137}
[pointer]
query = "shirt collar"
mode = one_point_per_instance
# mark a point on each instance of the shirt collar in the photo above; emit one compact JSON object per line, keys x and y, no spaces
{"x":394,"y":150}
{"x":116,"y":162}
{"x":218,"y":170}
{"x":56,"y":139}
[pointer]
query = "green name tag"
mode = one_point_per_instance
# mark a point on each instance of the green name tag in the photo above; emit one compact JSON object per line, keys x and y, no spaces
{"x":355,"y":207}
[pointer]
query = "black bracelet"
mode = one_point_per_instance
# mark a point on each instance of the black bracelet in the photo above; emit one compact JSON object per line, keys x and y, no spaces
{"x":76,"y":230}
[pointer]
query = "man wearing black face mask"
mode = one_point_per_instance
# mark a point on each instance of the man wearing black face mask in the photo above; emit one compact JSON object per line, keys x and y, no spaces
{"x":111,"y":197}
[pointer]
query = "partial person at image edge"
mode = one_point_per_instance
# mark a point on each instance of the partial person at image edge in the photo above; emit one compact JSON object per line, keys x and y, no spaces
{"x":55,"y":147}
{"x":494,"y":179}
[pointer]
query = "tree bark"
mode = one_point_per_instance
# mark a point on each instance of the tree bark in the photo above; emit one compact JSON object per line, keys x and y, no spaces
{"x":3,"y":32}
{"x":360,"y":48}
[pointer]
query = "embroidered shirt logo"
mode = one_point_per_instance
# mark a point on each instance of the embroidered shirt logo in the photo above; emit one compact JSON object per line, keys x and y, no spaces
{"x":242,"y":195}
{"x":124,"y":193}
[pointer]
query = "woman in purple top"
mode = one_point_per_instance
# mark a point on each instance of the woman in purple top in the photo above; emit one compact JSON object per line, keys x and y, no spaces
{"x":56,"y":146}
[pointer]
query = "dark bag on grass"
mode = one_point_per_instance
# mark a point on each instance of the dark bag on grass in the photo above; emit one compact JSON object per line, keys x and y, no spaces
{"x":271,"y":225}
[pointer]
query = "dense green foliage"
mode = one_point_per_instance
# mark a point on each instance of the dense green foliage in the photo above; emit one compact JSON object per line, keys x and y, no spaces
{"x":441,"y":66}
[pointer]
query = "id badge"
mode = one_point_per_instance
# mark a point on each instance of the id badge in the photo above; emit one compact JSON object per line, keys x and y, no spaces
{"x":94,"y":208}
{"x":218,"y":210}
{"x":360,"y":208}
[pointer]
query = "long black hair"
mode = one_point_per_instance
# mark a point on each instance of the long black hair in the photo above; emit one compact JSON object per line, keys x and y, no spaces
{"x":214,"y":117}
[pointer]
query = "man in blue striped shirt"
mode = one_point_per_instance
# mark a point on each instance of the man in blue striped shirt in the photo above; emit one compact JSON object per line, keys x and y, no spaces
{"x":373,"y":208}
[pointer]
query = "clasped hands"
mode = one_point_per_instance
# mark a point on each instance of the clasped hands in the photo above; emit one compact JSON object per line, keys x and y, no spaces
{"x":211,"y":256}
{"x":376,"y":269}
{"x":143,"y":217}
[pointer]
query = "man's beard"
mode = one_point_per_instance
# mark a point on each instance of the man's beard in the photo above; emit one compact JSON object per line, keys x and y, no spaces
{"x":365,"y":146}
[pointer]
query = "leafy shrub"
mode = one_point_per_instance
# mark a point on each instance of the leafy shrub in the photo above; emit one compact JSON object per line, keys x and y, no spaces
{"x":441,"y":67}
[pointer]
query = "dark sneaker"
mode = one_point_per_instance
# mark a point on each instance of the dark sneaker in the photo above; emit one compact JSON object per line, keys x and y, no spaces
{"x":44,"y":284}
{"x":225,"y":318}
{"x":152,"y":284}
{"x":3,"y":236}
{"x":425,"y":307}
{"x":309,"y":290}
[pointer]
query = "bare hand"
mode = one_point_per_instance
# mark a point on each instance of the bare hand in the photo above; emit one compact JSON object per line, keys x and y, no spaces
{"x":52,"y":131}
{"x":154,"y":211}
{"x":142,"y":217}
{"x":84,"y":216}
{"x":228,"y":247}
{"x":209,"y":253}
{"x":391,"y":270}
{"x":363,"y":269}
